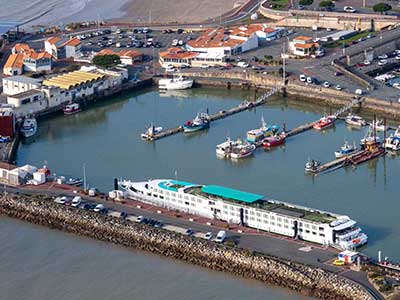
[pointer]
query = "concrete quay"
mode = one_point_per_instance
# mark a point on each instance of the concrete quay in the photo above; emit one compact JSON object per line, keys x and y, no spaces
{"x":308,"y":280}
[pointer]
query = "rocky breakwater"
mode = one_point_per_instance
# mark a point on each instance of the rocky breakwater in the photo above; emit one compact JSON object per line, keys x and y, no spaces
{"x":307,"y":280}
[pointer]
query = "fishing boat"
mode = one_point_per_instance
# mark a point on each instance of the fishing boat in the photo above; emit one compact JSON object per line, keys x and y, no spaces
{"x":369,"y":137}
{"x":257,"y":135}
{"x":311,"y":166}
{"x":199,"y":123}
{"x":242,"y":150}
{"x":71,"y":108}
{"x":393,"y":141}
{"x":345,"y":150}
{"x":324,"y":122}
{"x":355,"y":120}
{"x":372,"y":149}
{"x":224,"y":149}
{"x":177,"y":82}
{"x":150,"y":132}
{"x":379,"y":126}
{"x":29,"y":127}
{"x":74,"y":181}
{"x":274,"y":140}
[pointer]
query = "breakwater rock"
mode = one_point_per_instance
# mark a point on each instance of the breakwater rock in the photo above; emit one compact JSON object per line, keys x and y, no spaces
{"x":304,"y":279}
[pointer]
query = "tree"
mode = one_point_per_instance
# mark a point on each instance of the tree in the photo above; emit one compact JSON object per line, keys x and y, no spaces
{"x":106,"y":61}
{"x":328,"y":4}
{"x":306,"y":2}
{"x":381,"y":7}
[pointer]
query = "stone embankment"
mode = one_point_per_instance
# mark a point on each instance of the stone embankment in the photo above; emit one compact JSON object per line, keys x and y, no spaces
{"x":309,"y":93}
{"x":311,"y":281}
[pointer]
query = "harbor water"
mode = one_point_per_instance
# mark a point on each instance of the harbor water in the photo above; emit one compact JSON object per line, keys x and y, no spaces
{"x":37,"y":263}
{"x":105,"y":137}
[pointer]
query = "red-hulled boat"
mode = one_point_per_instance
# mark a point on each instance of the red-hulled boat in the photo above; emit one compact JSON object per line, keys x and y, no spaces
{"x":71,"y":108}
{"x":324,"y":122}
{"x":372,"y":150}
{"x":273,"y":141}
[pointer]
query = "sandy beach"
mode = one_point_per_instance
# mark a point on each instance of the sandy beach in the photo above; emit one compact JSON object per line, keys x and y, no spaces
{"x":56,"y":12}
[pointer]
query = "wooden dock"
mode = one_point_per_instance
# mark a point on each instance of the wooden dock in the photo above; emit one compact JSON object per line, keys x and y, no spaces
{"x":222,"y":114}
{"x":334,"y":164}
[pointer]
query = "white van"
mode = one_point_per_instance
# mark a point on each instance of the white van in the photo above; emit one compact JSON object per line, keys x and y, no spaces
{"x":359,"y":92}
{"x":220,"y":238}
{"x":242,"y":64}
{"x":76,"y":201}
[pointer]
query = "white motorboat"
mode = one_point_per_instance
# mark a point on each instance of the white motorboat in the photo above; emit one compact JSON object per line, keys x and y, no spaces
{"x":355,"y":120}
{"x":379,"y":126}
{"x":345,"y":150}
{"x":311,"y":165}
{"x":393,"y":141}
{"x":29,"y":127}
{"x":224,"y":149}
{"x":71,"y":108}
{"x":150,"y":132}
{"x":370,"y":137}
{"x":177,"y":82}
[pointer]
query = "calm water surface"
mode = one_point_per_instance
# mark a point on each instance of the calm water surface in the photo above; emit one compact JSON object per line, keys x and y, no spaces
{"x":106,"y":138}
{"x":40,"y":264}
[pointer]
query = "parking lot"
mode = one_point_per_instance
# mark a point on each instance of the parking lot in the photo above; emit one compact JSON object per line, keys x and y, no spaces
{"x":144,"y":40}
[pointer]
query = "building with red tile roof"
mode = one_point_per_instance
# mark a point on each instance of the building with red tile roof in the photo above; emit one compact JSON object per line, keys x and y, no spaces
{"x":179,"y":57}
{"x":24,"y":58}
{"x":62,"y":48}
{"x":127,"y":57}
{"x":304,"y":46}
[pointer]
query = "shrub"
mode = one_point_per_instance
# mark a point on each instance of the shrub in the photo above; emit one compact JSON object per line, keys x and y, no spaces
{"x":306,"y":2}
{"x":326,"y":4}
{"x":381,"y":7}
{"x":106,"y":61}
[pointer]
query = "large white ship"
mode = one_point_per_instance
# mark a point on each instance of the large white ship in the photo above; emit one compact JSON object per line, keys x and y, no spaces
{"x":175,"y":83}
{"x":252,"y":210}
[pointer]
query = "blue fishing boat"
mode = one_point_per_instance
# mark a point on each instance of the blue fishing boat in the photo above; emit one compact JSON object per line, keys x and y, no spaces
{"x":346,"y":149}
{"x":199,"y":123}
{"x":257,"y":135}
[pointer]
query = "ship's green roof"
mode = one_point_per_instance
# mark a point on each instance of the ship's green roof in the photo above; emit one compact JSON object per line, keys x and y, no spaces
{"x":174,"y":185}
{"x":231,"y":194}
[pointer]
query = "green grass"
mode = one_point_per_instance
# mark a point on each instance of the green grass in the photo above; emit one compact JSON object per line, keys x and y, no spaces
{"x":279,"y":4}
{"x":347,"y":41}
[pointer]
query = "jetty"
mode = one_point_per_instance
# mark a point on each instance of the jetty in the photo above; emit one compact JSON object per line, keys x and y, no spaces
{"x":334,"y":164}
{"x":308,"y":126}
{"x":246,"y":105}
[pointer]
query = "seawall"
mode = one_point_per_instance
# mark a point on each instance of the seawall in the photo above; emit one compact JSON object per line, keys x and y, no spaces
{"x":304,"y":279}
{"x":308,"y":93}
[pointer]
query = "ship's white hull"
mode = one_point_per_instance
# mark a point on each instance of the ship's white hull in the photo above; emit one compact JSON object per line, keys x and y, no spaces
{"x":185,"y":199}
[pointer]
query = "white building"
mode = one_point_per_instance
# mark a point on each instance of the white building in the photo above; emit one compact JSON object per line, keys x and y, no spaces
{"x":62,"y":48}
{"x":28,"y":102}
{"x":304,"y":46}
{"x":18,"y":84}
{"x":224,"y":42}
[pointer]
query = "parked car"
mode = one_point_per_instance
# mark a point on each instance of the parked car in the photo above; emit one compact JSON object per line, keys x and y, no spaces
{"x":98,"y":207}
{"x":366,"y":62}
{"x":204,"y":66}
{"x":208,"y":236}
{"x":303,"y":78}
{"x":159,"y":224}
{"x":358,"y":92}
{"x":338,"y":87}
{"x":123,"y":215}
{"x":349,"y":9}
{"x":309,"y":80}
{"x":76,"y":201}
{"x":382,"y":62}
{"x":383,"y":56}
{"x":61,"y":200}
{"x":103,"y":211}
{"x":189,"y":232}
{"x":326,"y":84}
{"x":370,"y":36}
{"x":140,"y":219}
{"x":242,"y":64}
{"x":337,"y":73}
{"x":221,"y":236}
{"x":179,"y":31}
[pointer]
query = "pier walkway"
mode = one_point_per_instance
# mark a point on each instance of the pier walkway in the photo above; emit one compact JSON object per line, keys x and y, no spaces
{"x":221,"y":115}
{"x":340,"y":111}
{"x":334,"y":164}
